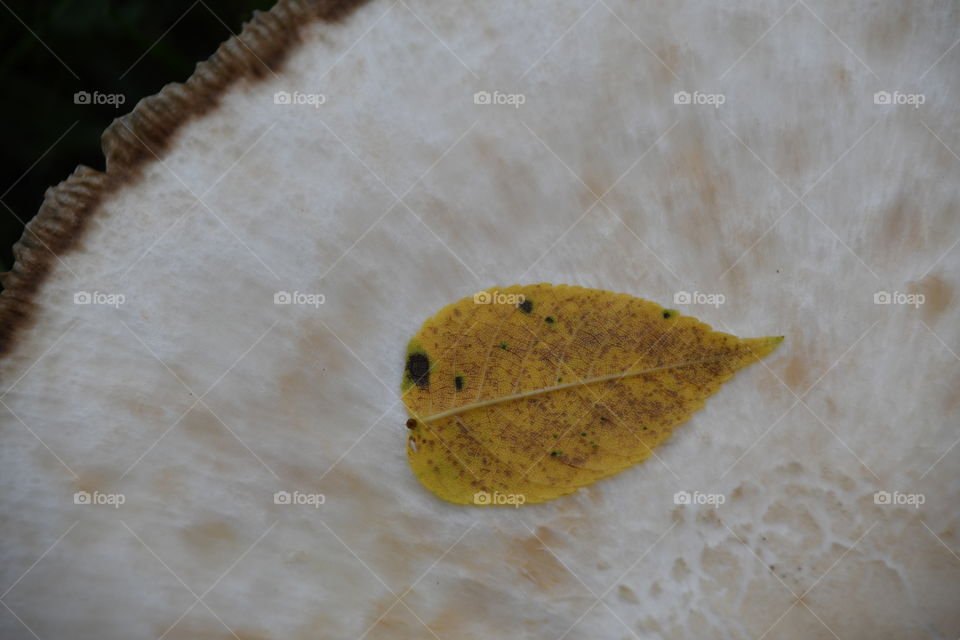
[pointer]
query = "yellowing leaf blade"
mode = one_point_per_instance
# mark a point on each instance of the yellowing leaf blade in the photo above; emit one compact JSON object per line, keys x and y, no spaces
{"x":538,"y":390}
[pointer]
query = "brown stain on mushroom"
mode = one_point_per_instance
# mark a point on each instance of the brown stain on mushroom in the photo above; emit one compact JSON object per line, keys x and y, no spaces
{"x":951,"y":399}
{"x":900,"y":227}
{"x":796,"y":372}
{"x":467,"y":603}
{"x":735,"y":282}
{"x":303,"y":477}
{"x":359,"y":485}
{"x":670,"y":56}
{"x":594,"y":187}
{"x":210,"y":536}
{"x":831,"y":407}
{"x":294,"y":384}
{"x":707,"y":183}
{"x":627,"y":594}
{"x":888,"y":32}
{"x":297,"y":386}
{"x":841,"y":75}
{"x":796,"y":151}
{"x":169,"y":481}
{"x":701,"y":219}
{"x":535,"y":562}
{"x":200,"y":423}
{"x":93,"y":480}
{"x":394,"y":619}
{"x":937,"y":293}
{"x":680,"y":569}
{"x":213,"y":630}
{"x":452,"y":622}
{"x":317,"y":361}
{"x":139,"y":408}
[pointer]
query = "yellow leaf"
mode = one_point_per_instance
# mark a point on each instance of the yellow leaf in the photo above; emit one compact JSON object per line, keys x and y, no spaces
{"x":526,"y":394}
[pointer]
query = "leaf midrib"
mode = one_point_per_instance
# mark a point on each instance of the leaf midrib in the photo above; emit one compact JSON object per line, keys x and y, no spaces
{"x":567,"y":385}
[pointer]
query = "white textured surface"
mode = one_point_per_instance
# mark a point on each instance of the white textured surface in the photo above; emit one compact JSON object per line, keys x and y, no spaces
{"x":859,"y":398}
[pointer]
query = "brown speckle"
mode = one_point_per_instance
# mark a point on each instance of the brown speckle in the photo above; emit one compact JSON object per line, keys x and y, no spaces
{"x":937,"y":295}
{"x":627,"y":594}
{"x":795,"y":373}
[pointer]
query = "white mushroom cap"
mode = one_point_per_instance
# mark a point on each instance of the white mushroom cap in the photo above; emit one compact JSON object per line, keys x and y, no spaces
{"x":380,"y":162}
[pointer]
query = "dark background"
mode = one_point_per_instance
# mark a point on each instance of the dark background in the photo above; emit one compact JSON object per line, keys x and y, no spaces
{"x":128,"y":47}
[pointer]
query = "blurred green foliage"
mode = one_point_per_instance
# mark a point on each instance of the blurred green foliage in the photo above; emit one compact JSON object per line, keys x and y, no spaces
{"x":55,"y":48}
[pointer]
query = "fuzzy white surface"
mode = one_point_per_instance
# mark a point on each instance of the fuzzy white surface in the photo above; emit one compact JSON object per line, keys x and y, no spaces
{"x":797,"y":199}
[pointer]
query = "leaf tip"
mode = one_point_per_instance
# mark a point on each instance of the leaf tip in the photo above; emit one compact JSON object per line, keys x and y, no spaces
{"x":762,"y":347}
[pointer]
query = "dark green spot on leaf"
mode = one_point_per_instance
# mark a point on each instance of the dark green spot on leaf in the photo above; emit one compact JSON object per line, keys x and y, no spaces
{"x":418,"y":368}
